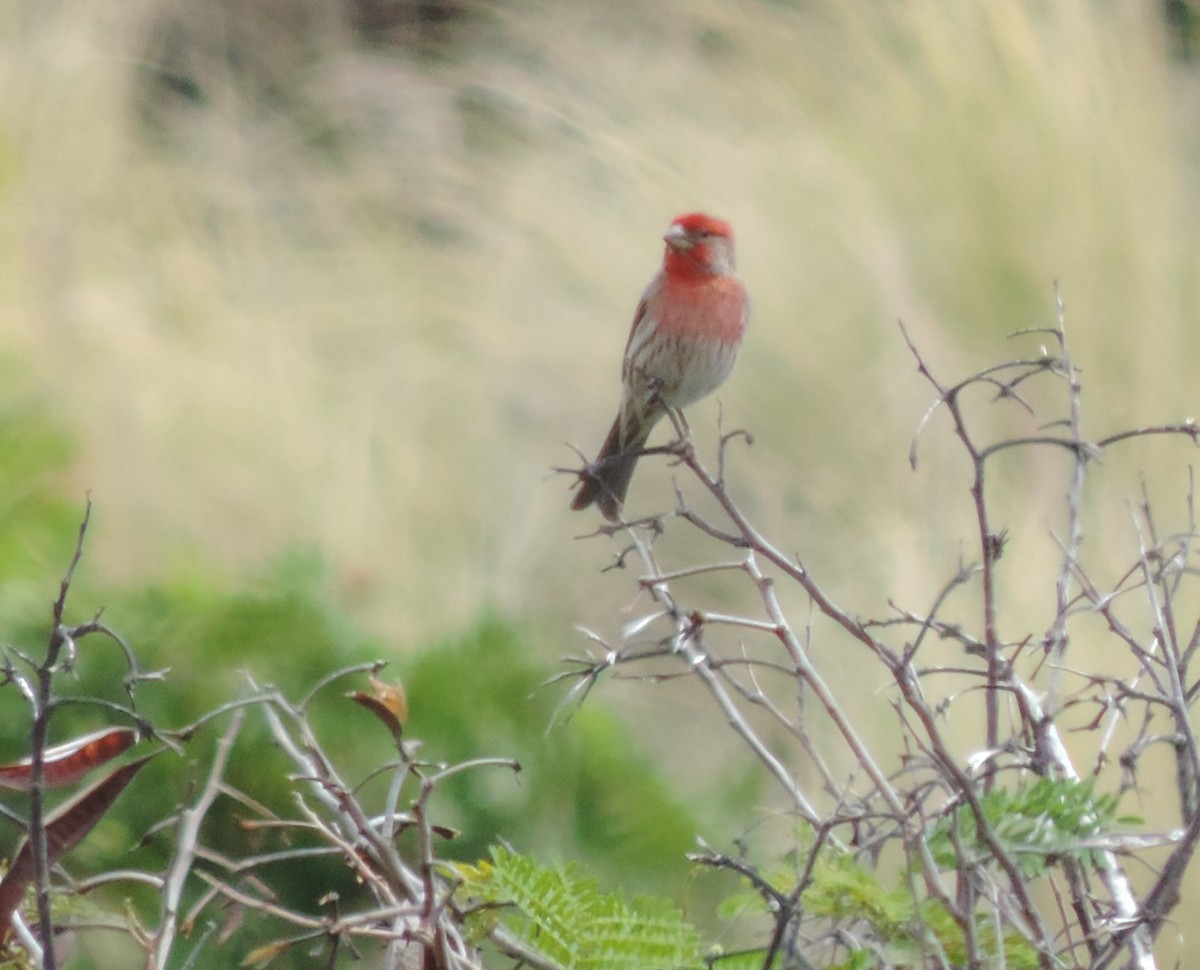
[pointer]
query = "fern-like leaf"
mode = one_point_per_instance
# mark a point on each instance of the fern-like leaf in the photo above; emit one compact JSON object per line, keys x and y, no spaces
{"x":563,"y":914}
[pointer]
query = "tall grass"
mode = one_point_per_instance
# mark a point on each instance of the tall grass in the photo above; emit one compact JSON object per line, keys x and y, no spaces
{"x":361,"y":298}
{"x":287,"y":287}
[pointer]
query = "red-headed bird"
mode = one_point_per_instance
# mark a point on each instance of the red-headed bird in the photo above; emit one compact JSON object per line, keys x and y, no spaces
{"x":685,"y":336}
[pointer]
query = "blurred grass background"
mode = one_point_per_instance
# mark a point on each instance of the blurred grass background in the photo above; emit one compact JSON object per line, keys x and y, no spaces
{"x":353,"y":277}
{"x":289,"y":276}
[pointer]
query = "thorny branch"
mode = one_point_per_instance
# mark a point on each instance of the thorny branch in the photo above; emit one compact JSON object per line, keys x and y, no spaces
{"x":411,"y":911}
{"x":1024,"y":691}
{"x":36,"y":680}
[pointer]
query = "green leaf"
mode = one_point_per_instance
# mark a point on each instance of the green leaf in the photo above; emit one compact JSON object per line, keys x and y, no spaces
{"x":561,"y":913}
{"x":1037,"y":824}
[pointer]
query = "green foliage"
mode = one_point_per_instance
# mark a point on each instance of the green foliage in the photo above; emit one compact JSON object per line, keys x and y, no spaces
{"x":36,"y":521}
{"x":561,"y":913}
{"x":1050,"y":819}
{"x":842,"y":888}
{"x":1019,"y":953}
{"x":894,"y":923}
{"x":585,"y":792}
{"x":284,"y":629}
{"x":1037,"y":824}
{"x":739,"y":960}
{"x":906,"y":927}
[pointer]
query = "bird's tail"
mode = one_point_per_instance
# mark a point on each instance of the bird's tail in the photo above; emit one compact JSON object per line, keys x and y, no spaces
{"x":606,"y":480}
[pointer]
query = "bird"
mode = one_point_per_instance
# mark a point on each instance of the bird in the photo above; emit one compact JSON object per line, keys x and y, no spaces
{"x":685,"y":337}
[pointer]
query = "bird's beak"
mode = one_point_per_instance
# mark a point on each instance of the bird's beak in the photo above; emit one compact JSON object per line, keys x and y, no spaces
{"x":677,"y":238}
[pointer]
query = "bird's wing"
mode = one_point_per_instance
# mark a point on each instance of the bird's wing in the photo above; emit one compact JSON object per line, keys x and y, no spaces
{"x":637,"y":332}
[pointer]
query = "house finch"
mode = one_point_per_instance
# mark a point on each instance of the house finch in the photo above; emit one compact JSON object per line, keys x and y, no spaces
{"x":685,"y":336}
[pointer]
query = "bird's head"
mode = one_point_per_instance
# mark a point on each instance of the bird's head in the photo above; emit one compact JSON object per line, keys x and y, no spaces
{"x":699,"y":244}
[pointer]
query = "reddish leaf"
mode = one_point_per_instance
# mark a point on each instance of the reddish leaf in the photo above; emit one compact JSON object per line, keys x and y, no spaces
{"x":66,"y":827}
{"x":67,"y":763}
{"x":387,"y":702}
